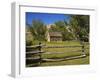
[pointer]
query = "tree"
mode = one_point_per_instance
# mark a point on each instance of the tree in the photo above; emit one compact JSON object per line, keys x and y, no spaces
{"x":80,"y":26}
{"x":29,"y":36}
{"x":62,"y":27}
{"x":53,"y":28}
{"x":38,"y":30}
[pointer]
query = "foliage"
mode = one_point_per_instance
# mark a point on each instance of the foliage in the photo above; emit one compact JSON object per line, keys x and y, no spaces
{"x":77,"y":28}
{"x":60,"y":26}
{"x":80,"y":26}
{"x":38,"y":30}
{"x":29,"y":36}
{"x":29,"y":42}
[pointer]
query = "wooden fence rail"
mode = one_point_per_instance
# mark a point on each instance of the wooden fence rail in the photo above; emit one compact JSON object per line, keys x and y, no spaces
{"x":37,"y":49}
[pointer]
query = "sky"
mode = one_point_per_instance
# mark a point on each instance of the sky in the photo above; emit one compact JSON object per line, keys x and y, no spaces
{"x":46,"y":18}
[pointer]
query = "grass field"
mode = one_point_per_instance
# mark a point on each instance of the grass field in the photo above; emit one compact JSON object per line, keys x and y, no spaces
{"x":66,"y":52}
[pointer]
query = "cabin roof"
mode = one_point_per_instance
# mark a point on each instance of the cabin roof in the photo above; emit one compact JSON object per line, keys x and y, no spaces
{"x":55,"y":34}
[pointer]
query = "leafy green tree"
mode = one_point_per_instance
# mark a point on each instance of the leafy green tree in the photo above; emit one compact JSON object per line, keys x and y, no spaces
{"x":53,"y":28}
{"x":80,"y":26}
{"x":63,"y":28}
{"x":29,"y":36}
{"x":38,"y":30}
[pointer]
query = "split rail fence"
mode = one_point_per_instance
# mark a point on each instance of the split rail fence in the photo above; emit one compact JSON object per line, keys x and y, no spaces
{"x":34,"y":54}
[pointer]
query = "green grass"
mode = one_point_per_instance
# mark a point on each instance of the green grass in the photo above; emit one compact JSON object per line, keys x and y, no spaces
{"x":63,"y":43}
{"x":66,"y":53}
{"x":80,"y":61}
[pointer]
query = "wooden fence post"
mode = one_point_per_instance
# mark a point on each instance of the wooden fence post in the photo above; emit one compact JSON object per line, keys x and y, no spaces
{"x":40,"y":55}
{"x":83,"y":49}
